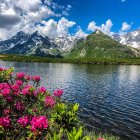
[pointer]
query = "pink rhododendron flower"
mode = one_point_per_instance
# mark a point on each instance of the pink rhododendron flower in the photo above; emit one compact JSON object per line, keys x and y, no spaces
{"x":1,"y":69}
{"x":19,"y":82}
{"x":58,"y":92}
{"x":37,"y":78}
{"x":29,"y":90}
{"x":6,"y":111}
{"x":39,"y":122}
{"x":49,"y":101}
{"x":4,"y":86}
{"x":5,"y":69}
{"x":19,"y":106}
{"x":35,"y":93}
{"x":101,"y":139}
{"x":20,"y":75}
{"x":28,"y":86}
{"x":11,"y":74}
{"x":24,"y":121}
{"x":16,"y":89}
{"x":42,"y":90}
{"x":5,"y":92}
{"x":25,"y":91}
{"x":34,"y":110}
{"x":28,"y":77}
{"x":9,"y":98}
{"x":5,"y":122}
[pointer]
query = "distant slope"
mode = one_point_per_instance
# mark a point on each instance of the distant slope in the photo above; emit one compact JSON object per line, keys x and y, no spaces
{"x":37,"y":45}
{"x":99,"y":45}
{"x":19,"y":38}
{"x":130,"y":39}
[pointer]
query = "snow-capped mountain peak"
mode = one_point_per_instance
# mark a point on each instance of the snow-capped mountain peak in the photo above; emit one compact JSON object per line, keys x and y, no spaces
{"x":130,"y":39}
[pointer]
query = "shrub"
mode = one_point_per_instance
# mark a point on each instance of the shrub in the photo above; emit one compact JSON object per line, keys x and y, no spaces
{"x":29,"y":111}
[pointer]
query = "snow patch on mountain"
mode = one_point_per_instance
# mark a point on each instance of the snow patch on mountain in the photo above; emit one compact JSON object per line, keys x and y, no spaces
{"x":130,"y":39}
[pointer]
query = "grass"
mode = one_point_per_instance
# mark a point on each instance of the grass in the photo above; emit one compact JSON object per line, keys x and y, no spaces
{"x":95,"y":136}
{"x":105,"y":61}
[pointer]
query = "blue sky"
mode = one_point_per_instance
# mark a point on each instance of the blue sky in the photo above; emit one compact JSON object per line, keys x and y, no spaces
{"x":85,"y":11}
{"x":57,"y":18}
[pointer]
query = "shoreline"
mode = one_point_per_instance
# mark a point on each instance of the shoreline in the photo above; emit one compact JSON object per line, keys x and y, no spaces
{"x":94,"y":61}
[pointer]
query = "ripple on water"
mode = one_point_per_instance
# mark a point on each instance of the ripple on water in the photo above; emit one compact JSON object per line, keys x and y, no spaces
{"x":108,"y":95}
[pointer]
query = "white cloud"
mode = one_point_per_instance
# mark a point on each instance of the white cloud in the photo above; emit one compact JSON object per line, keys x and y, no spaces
{"x":80,"y":33}
{"x":52,"y":28}
{"x":49,"y":28}
{"x":125,"y":26}
{"x":63,"y":26}
{"x":48,"y":2}
{"x":68,"y":7}
{"x":105,"y":28}
{"x":8,"y":16}
{"x":25,"y":15}
{"x":123,"y":0}
{"x":92,"y":26}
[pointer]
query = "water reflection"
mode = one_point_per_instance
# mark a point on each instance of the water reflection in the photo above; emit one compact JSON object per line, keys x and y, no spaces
{"x":108,"y":95}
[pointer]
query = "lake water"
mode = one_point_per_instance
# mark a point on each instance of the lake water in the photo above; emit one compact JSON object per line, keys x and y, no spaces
{"x":109,"y":95}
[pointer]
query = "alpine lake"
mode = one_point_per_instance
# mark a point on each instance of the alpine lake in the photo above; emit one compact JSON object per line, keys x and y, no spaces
{"x":108,"y":95}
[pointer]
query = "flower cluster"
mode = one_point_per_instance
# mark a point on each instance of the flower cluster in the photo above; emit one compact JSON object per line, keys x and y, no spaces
{"x":39,"y":122}
{"x":19,"y":82}
{"x":37,"y":78}
{"x":4,"y":89}
{"x":42,"y":90}
{"x":9,"y":98}
{"x":5,"y":122}
{"x":6,"y":111}
{"x":49,"y":101}
{"x":20,"y":75}
{"x":58,"y":92}
{"x":28,"y":77}
{"x":26,"y":106}
{"x":29,"y":89}
{"x":16,"y":89}
{"x":3,"y":69}
{"x":24,"y":121}
{"x":19,"y":106}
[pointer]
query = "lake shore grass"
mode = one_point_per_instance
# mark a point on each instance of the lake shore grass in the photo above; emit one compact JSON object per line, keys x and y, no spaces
{"x":105,"y":61}
{"x":96,"y":135}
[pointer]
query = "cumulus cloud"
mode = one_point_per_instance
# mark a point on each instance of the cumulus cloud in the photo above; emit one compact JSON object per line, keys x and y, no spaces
{"x":125,"y":26}
{"x":8,"y":16}
{"x":25,"y":15}
{"x":105,"y":28}
{"x":63,"y":26}
{"x":80,"y":33}
{"x":52,"y":28}
{"x":92,"y":26}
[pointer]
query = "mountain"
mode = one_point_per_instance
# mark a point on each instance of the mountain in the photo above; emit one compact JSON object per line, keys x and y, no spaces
{"x":95,"y":45}
{"x":37,"y":45}
{"x":25,"y":47}
{"x":99,"y":45}
{"x":65,"y":44}
{"x":34,"y":45}
{"x":20,"y":37}
{"x":131,"y":39}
